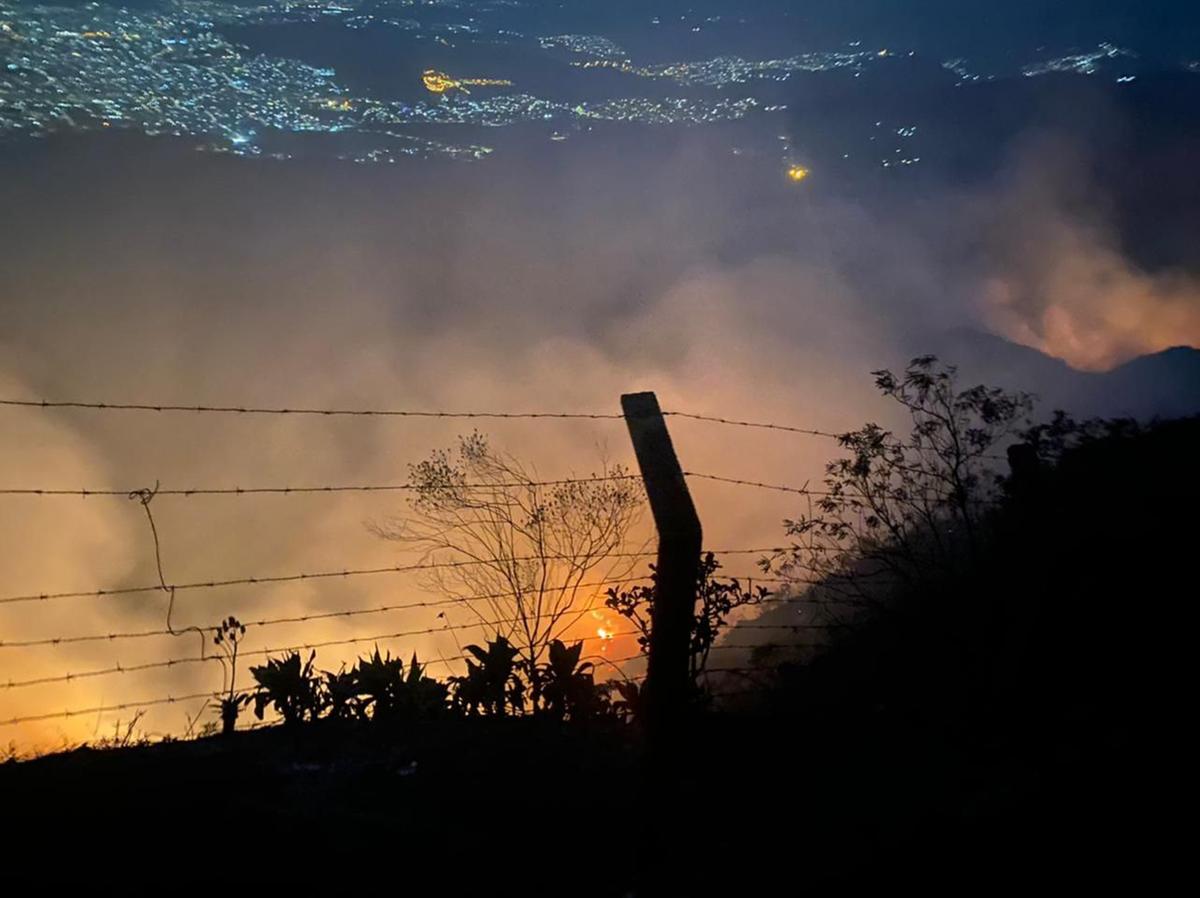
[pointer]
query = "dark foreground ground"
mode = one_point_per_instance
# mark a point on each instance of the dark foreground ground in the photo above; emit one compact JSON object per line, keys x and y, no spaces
{"x":757,"y":804}
{"x":1018,"y":725}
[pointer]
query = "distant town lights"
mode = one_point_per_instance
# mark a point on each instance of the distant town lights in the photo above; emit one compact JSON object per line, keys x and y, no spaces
{"x":797,"y":173}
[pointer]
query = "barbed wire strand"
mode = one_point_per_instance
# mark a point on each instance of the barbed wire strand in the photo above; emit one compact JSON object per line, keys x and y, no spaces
{"x":758,"y":425}
{"x":205,"y":695}
{"x":86,"y":493}
{"x":325,"y":412}
{"x":750,"y":580}
{"x":384,"y":637}
{"x":299,"y":490}
{"x":267,"y":651}
{"x":303,"y":618}
{"x":144,"y":703}
{"x":324,"y":575}
{"x":394,"y":413}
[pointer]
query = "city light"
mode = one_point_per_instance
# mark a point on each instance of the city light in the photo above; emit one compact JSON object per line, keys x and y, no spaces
{"x":440,"y":83}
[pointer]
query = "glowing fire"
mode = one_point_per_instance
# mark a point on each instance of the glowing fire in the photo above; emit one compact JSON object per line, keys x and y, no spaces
{"x":797,"y":173}
{"x":605,"y":631}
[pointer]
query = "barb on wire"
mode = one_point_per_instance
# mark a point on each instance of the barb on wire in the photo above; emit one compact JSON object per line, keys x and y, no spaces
{"x":801,"y":490}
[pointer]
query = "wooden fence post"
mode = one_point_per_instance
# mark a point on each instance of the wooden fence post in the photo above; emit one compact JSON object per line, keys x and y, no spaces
{"x":668,"y":680}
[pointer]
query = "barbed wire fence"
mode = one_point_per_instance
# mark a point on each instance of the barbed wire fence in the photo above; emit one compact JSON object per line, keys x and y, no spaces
{"x":790,"y":588}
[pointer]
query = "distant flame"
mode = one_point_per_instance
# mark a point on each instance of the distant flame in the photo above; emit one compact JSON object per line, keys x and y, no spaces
{"x":797,"y":173}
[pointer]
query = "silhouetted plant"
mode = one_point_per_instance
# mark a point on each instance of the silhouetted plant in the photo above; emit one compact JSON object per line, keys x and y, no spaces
{"x":227,"y":638}
{"x":424,"y":696}
{"x":127,"y":736}
{"x":340,"y":697}
{"x":393,"y":695}
{"x":630,"y":702}
{"x":1049,"y":441}
{"x":492,"y":685}
{"x":289,"y":686}
{"x":568,"y":687}
{"x":532,"y":545}
{"x":716,"y":600}
{"x":380,"y":680}
{"x":899,"y":508}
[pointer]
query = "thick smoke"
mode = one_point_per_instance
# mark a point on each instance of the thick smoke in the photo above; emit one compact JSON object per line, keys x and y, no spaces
{"x":1059,"y":280}
{"x":154,"y":274}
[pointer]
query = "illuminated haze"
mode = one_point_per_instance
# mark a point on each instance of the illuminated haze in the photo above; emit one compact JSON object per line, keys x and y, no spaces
{"x":137,"y":271}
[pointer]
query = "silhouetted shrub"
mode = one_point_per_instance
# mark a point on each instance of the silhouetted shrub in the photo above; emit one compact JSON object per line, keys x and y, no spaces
{"x":716,"y":600}
{"x":491,"y":686}
{"x":568,"y":687}
{"x":391,"y":695}
{"x":290,"y":687}
{"x":628,"y":706}
{"x":340,"y":699}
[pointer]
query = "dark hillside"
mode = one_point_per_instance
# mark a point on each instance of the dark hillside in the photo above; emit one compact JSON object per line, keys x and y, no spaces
{"x":1003,"y":726}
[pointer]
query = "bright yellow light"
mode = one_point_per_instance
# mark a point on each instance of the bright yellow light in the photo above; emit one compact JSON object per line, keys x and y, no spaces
{"x":439,"y":82}
{"x":797,"y":173}
{"x":603,"y":633}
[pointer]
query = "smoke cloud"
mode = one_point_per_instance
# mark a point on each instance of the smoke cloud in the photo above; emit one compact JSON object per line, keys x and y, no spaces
{"x":1061,"y":283}
{"x":148,"y":273}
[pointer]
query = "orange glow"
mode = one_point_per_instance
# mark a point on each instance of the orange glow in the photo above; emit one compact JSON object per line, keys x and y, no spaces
{"x":1094,"y":310}
{"x":797,"y":173}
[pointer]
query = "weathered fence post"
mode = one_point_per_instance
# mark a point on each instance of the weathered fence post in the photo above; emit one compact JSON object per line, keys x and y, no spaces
{"x":679,"y":540}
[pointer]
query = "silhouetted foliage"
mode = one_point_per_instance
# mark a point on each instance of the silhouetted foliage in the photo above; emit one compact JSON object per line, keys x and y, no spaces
{"x":533,"y":547}
{"x":568,"y":686}
{"x":290,"y":687}
{"x":900,"y":508}
{"x":1005,"y":700}
{"x":1051,"y":440}
{"x":380,"y":681}
{"x":380,"y":689}
{"x":1034,"y":641}
{"x":716,"y":600}
{"x":629,"y":705}
{"x":391,"y":695}
{"x":227,"y":638}
{"x":491,"y":685}
{"x":340,"y":695}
